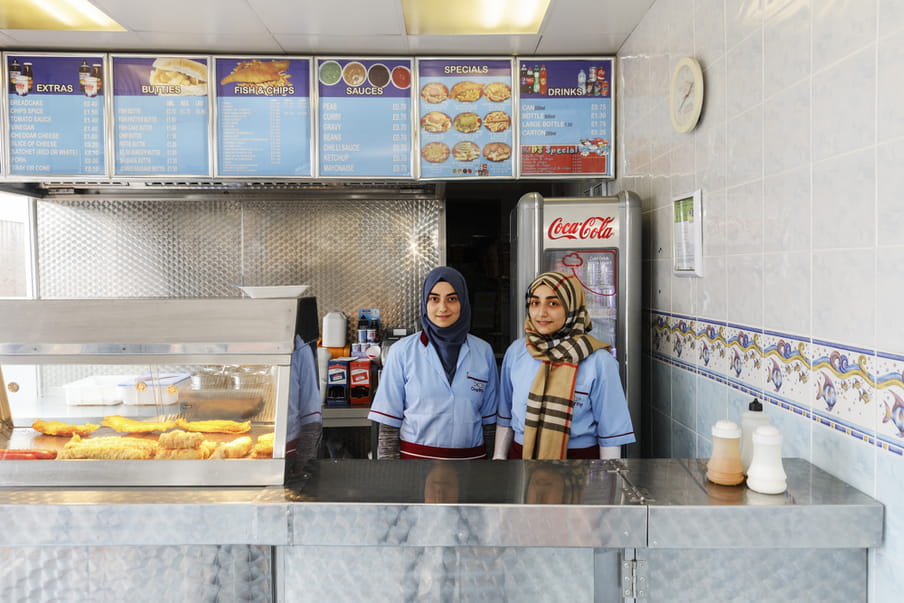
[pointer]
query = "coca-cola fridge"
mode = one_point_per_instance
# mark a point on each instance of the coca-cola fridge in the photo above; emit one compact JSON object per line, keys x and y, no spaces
{"x":598,"y":239}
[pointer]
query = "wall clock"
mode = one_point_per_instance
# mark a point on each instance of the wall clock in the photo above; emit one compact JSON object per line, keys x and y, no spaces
{"x":686,"y":94}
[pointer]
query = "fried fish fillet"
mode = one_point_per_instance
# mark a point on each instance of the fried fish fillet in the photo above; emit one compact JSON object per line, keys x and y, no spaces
{"x":186,"y":454}
{"x":58,"y":428}
{"x":178,"y":439}
{"x":235,"y":449}
{"x":126,"y":425}
{"x":108,"y":448}
{"x":257,"y":72}
{"x":215,"y":426}
{"x":263,"y":448}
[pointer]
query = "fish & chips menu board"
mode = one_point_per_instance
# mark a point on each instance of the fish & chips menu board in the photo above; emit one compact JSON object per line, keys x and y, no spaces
{"x":364,"y":118}
{"x":56,"y":115}
{"x":565,"y":123}
{"x":263,"y":117}
{"x":465,"y":118}
{"x":160,"y":116}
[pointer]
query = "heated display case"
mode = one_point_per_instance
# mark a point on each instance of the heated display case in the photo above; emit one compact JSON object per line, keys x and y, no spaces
{"x":158,"y":391}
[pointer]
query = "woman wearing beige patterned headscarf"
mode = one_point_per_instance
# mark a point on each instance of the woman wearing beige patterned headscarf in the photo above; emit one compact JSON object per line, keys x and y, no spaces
{"x":560,"y":394}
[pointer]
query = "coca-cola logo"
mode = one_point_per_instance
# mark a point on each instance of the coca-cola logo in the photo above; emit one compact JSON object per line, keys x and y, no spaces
{"x":594,"y":227}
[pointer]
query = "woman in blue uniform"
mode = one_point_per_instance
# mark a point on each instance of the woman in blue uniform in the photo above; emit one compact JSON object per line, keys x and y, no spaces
{"x":437,"y":393}
{"x":560,"y":395}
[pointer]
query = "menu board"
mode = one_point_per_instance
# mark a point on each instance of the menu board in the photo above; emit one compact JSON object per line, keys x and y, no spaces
{"x":161,"y":116}
{"x":364,"y":117}
{"x":565,"y":120}
{"x":465,"y":118}
{"x":56,"y":115}
{"x":263,"y":117}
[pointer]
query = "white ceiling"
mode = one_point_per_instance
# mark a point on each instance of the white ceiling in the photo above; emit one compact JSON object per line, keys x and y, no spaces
{"x":354,"y":27}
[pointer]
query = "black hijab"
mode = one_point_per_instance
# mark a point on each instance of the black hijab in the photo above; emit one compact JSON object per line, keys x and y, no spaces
{"x":447,"y":340}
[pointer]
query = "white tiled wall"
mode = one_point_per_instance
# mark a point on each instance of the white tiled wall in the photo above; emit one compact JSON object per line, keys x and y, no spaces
{"x":799,"y":154}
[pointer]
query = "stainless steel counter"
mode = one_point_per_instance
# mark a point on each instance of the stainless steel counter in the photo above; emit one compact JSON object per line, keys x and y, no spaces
{"x":341,"y":529}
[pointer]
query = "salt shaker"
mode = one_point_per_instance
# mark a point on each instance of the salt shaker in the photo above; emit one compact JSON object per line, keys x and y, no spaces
{"x":766,"y":474}
{"x":724,"y":466}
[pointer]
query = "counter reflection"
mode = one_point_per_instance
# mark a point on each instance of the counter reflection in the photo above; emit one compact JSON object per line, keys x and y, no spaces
{"x":572,"y":482}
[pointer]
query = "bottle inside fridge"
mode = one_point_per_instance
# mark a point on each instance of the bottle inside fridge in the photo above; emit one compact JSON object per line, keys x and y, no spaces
{"x":596,"y":270}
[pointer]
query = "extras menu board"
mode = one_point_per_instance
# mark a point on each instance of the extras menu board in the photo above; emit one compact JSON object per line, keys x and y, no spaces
{"x":465,"y":118}
{"x":364,"y":117}
{"x":56,"y":115}
{"x":263,"y":117}
{"x":566,"y":117}
{"x":161,"y":116}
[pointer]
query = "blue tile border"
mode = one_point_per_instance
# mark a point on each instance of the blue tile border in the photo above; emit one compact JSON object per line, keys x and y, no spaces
{"x":834,"y":423}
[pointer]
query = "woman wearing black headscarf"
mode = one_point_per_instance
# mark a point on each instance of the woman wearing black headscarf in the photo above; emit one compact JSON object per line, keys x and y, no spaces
{"x":437,"y":393}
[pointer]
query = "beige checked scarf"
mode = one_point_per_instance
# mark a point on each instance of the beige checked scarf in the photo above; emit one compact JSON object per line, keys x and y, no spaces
{"x":551,"y":398}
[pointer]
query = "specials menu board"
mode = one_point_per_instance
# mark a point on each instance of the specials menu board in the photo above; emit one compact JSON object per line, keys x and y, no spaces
{"x":364,"y":117}
{"x":160,"y":116}
{"x":56,"y":115}
{"x":565,"y":119}
{"x":465,"y":118}
{"x":263,"y":117}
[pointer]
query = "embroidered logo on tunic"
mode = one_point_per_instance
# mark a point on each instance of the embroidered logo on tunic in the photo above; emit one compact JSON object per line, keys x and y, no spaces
{"x":477,"y":385}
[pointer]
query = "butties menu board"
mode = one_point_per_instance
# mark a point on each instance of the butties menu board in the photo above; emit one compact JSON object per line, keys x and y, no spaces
{"x":465,"y":118}
{"x":56,"y":115}
{"x":263,"y":117}
{"x":566,"y":117}
{"x":160,"y":116}
{"x":364,"y":118}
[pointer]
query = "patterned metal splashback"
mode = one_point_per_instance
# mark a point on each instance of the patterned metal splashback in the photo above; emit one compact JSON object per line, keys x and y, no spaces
{"x":354,"y":253}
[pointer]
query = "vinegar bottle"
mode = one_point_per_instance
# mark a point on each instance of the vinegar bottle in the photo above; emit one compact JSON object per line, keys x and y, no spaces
{"x":750,"y":420}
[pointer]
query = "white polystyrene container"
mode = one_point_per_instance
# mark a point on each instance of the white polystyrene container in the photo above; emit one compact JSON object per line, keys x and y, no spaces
{"x":335,"y":327}
{"x":94,"y":391}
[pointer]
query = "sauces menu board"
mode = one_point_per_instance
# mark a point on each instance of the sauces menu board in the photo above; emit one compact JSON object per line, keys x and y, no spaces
{"x":465,"y":118}
{"x":263,"y":117}
{"x":565,"y":124}
{"x":364,"y":117}
{"x":160,"y":116}
{"x":56,"y":115}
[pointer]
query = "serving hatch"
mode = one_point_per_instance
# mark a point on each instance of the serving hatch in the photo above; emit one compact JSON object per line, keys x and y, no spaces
{"x":127,"y":385}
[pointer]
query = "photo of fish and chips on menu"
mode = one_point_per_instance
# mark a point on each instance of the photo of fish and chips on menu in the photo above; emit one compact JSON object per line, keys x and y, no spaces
{"x":466,"y":119}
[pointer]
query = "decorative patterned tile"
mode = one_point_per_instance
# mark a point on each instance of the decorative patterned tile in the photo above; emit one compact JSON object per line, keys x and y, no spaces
{"x":786,"y":369}
{"x":889,"y":397}
{"x":844,"y":387}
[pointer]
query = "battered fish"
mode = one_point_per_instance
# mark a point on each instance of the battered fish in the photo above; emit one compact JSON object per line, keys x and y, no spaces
{"x":108,"y":448}
{"x":263,"y":448}
{"x":214,"y":426}
{"x":187,"y":454}
{"x":58,"y":428}
{"x":235,"y":449}
{"x":125,"y":425}
{"x":178,"y":439}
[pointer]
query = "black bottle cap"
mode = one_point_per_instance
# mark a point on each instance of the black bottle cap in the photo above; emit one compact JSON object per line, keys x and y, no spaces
{"x":755,"y":406}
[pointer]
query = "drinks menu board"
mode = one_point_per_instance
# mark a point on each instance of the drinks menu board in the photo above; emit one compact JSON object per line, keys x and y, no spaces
{"x":263,"y":117}
{"x":56,"y":115}
{"x":364,"y":117}
{"x":161,"y":116}
{"x":465,"y":118}
{"x":565,"y":124}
